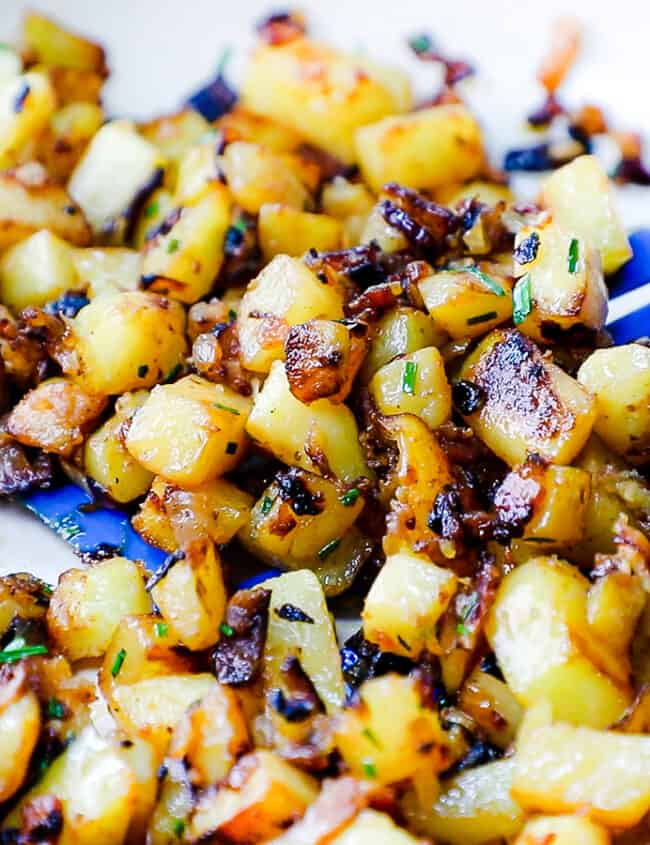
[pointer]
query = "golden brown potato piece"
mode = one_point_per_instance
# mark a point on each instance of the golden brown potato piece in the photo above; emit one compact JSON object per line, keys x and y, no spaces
{"x":55,"y":416}
{"x":20,"y":724}
{"x":44,"y":40}
{"x":21,"y":595}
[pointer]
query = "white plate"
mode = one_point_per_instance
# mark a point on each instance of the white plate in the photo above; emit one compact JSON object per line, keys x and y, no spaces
{"x":161,"y":50}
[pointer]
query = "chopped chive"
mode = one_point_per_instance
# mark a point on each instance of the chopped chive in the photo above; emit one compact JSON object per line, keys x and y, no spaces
{"x":226,"y":408}
{"x":161,"y":629}
{"x":574,"y":255}
{"x":408,"y":377}
{"x":173,"y":245}
{"x":48,"y":589}
{"x":521,"y":300}
{"x":17,"y":649}
{"x":55,"y":709}
{"x":178,"y":826}
{"x":462,"y":629}
{"x":420,"y":43}
{"x":489,"y":282}
{"x":369,"y":769}
{"x":171,"y":375}
{"x":350,"y":497}
{"x":240,"y":225}
{"x":370,"y":736}
{"x":232,"y":314}
{"x":143,"y":369}
{"x":117,"y":663}
{"x":226,"y":630}
{"x":482,"y":318}
{"x":152,"y":209}
{"x":267,"y":504}
{"x":328,"y":548}
{"x":231,"y":447}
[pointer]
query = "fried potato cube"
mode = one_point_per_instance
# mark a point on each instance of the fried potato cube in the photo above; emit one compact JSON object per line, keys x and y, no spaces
{"x":530,"y":405}
{"x":614,"y":606}
{"x":175,"y":134}
{"x":190,"y":432}
{"x":563,"y":830}
{"x":475,"y":807}
{"x":562,"y":768}
{"x":414,"y":384}
{"x":36,"y":271}
{"x":428,"y":148}
{"x":198,"y":171}
{"x":26,"y":104}
{"x":88,"y":604}
{"x":46,"y":41}
{"x":21,"y":595}
{"x":184,"y":259}
{"x":320,"y":434}
{"x":70,"y":130}
{"x":257,"y":176}
{"x":55,"y":416}
{"x":192,"y":596}
{"x":107,"y":270}
{"x":20,"y":726}
{"x":581,"y":200}
{"x":170,"y":516}
{"x":539,"y":630}
{"x":388,"y":735}
{"x":620,"y":379}
{"x":371,"y":827}
{"x":288,"y":231}
{"x":468,"y":302}
{"x":405,"y":602}
{"x":489,"y":193}
{"x":117,"y":167}
{"x":284,"y":294}
{"x":239,"y":124}
{"x":323,"y":94}
{"x":125,"y":341}
{"x":399,"y":332}
{"x":265,"y":794}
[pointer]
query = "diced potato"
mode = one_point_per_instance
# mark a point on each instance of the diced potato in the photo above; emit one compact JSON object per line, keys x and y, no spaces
{"x":192,"y":596}
{"x":285,"y":230}
{"x":184,"y":261}
{"x":468,"y":302}
{"x":125,"y":341}
{"x":26,"y":104}
{"x":107,"y":270}
{"x":88,"y":604}
{"x":20,"y":725}
{"x":561,"y":286}
{"x":581,"y":200}
{"x":170,"y":516}
{"x":46,"y":41}
{"x":540,"y":633}
{"x":63,"y":143}
{"x":173,"y":807}
{"x":239,"y":124}
{"x":73,"y":85}
{"x":475,"y":807}
{"x":405,"y":602}
{"x":313,"y":642}
{"x":154,"y":212}
{"x":116,"y":169}
{"x":428,"y":148}
{"x":560,"y":768}
{"x":620,"y":379}
{"x":257,"y":176}
{"x":321,"y":434}
{"x":323,"y":94}
{"x":342,"y":199}
{"x":190,"y":432}
{"x":55,"y":416}
{"x":389,"y":735}
{"x":415,"y":384}
{"x":614,"y":605}
{"x":492,"y":705}
{"x":106,"y":459}
{"x":21,"y":595}
{"x":211,"y":736}
{"x":29,"y":202}
{"x":372,"y":828}
{"x":96,"y":787}
{"x":387,"y":237}
{"x":399,"y":332}
{"x":144,"y":762}
{"x":489,"y":193}
{"x":197,"y":169}
{"x":284,"y":294}
{"x":562,"y":830}
{"x":174,"y":134}
{"x":36,"y":271}
{"x":531,"y":405}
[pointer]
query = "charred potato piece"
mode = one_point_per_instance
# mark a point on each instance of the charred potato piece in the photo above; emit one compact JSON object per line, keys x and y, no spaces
{"x":26,"y":104}
{"x":44,"y":40}
{"x":257,"y":176}
{"x":65,"y":140}
{"x":36,"y":271}
{"x":24,"y":596}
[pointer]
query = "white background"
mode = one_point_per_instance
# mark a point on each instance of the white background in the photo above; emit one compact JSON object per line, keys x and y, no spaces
{"x":159,"y":50}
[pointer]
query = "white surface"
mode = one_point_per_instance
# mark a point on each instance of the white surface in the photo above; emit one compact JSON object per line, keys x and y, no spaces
{"x":159,"y":51}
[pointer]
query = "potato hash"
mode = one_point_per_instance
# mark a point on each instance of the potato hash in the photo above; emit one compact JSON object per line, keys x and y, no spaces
{"x":308,"y":326}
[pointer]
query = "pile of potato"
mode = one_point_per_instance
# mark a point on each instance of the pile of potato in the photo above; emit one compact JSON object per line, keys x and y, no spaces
{"x":317,"y":333}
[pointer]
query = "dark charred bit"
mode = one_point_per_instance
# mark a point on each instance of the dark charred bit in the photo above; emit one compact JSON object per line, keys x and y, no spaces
{"x":132,"y":213}
{"x":293,"y":614}
{"x":529,"y":159}
{"x":294,"y":491}
{"x":296,"y":700}
{"x":490,"y":666}
{"x":437,"y":219}
{"x":328,"y":165}
{"x":215,"y":99}
{"x":527,"y":250}
{"x":42,"y":820}
{"x":427,"y":675}
{"x":399,"y":219}
{"x":361,"y":660}
{"x":445,"y":518}
{"x":69,"y":304}
{"x":282,"y":28}
{"x":468,"y":398}
{"x":632,"y":171}
{"x":515,"y":499}
{"x":20,"y":98}
{"x":166,"y":565}
{"x":545,"y":114}
{"x":360,"y":264}
{"x":480,"y":753}
{"x":238,"y":655}
{"x":23,"y":469}
{"x":167,"y":224}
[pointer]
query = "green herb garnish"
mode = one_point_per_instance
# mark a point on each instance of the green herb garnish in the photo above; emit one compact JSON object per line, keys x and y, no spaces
{"x":178,"y":826}
{"x":521,"y":300}
{"x":161,"y":629}
{"x":267,"y":504}
{"x":120,"y":657}
{"x":328,"y":548}
{"x":232,"y":315}
{"x":55,"y":709}
{"x":408,"y":377}
{"x":489,"y":282}
{"x":349,"y":497}
{"x":231,"y":447}
{"x":370,"y":736}
{"x":143,"y":369}
{"x":18,"y":648}
{"x":226,"y":630}
{"x":420,"y":43}
{"x":173,"y":245}
{"x":482,"y":318}
{"x":574,"y":255}
{"x":369,"y":769}
{"x":152,"y":209}
{"x":171,"y":375}
{"x":226,"y":408}
{"x":462,"y":629}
